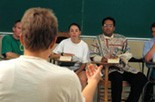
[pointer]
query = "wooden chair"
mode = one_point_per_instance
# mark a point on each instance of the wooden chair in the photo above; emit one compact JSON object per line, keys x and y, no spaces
{"x":104,"y":86}
{"x":126,"y":86}
{"x":100,"y":96}
{"x":61,"y":36}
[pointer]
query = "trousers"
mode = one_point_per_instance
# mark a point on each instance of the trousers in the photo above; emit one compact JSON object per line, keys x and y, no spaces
{"x":136,"y":81}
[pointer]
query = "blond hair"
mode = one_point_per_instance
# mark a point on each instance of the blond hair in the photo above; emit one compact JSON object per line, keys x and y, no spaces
{"x":39,"y":28}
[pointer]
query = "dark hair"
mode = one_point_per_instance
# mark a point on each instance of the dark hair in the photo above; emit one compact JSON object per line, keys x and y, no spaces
{"x":153,"y":25}
{"x":75,"y":24}
{"x":39,"y":28}
{"x":108,"y":18}
{"x":16,"y":22}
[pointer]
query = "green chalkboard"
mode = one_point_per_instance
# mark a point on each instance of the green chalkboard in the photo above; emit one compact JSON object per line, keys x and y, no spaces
{"x":133,"y":17}
{"x":67,"y":11}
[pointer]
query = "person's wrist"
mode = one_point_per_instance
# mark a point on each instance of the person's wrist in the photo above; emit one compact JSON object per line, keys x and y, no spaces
{"x":93,"y":80}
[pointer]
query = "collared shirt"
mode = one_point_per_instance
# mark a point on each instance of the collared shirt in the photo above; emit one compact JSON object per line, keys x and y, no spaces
{"x":116,"y":45}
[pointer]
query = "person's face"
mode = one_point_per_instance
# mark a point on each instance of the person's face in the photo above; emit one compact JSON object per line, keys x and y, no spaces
{"x":108,"y":28}
{"x":153,"y":32}
{"x":74,"y":32}
{"x":17,"y":30}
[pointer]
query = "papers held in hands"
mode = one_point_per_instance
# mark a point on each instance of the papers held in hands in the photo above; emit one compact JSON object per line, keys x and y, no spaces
{"x":66,"y":61}
{"x":113,"y":60}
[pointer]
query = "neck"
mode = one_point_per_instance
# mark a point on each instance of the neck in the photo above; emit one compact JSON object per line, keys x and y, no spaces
{"x":41,"y":54}
{"x":15,"y":37}
{"x":108,"y":35}
{"x":75,"y":40}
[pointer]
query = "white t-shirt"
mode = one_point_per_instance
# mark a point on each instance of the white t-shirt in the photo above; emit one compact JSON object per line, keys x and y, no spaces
{"x":80,"y":50}
{"x":32,"y":79}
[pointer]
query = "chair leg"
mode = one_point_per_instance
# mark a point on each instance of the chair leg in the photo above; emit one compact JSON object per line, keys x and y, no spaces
{"x":148,"y":94}
{"x":100,"y":94}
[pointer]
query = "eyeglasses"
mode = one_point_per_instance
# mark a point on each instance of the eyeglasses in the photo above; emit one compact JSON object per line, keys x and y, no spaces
{"x":108,"y":25}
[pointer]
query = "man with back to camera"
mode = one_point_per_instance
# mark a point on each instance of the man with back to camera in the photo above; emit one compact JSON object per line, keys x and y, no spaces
{"x":149,"y":50}
{"x":31,"y":78}
{"x":11,"y":46}
{"x":110,"y":45}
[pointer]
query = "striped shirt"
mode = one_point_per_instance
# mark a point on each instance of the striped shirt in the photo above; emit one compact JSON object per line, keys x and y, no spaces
{"x":116,"y":45}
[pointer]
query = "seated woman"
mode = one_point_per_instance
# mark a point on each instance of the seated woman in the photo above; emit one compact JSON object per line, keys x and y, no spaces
{"x":76,"y":48}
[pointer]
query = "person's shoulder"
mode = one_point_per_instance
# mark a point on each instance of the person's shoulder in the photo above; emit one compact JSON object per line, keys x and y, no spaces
{"x":7,"y":65}
{"x":65,"y":73}
{"x":84,"y":43}
{"x":100,"y":35}
{"x":65,"y":41}
{"x":119,"y":36}
{"x":66,"y":79}
{"x":56,"y":68}
{"x":149,"y":41}
{"x":8,"y":37}
{"x":62,"y":69}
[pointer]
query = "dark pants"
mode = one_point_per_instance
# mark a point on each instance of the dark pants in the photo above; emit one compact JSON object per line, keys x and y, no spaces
{"x":136,"y":81}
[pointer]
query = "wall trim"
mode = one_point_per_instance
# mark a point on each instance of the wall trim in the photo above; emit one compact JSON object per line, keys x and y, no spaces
{"x":90,"y":36}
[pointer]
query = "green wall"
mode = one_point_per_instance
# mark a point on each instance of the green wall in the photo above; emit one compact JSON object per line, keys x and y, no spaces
{"x":67,"y":11}
{"x":133,"y":17}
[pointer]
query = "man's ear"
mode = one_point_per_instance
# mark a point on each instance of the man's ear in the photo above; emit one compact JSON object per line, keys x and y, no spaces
{"x":22,"y":40}
{"x":53,"y":43}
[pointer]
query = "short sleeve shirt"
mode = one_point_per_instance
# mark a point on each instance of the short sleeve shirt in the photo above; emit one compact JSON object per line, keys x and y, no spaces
{"x":9,"y":44}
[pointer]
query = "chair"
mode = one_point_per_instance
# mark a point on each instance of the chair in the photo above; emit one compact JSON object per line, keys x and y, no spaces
{"x":61,"y":36}
{"x":126,"y":86}
{"x":104,"y":86}
{"x":148,"y":94}
{"x":100,"y":96}
{"x":138,"y":60}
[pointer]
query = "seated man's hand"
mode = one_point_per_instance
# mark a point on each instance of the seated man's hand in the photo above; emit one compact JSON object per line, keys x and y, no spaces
{"x":104,"y":59}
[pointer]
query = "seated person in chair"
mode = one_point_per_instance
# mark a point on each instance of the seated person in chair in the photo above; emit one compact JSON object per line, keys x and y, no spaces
{"x":11,"y":46}
{"x":149,"y":50}
{"x":76,"y":48}
{"x":110,"y":44}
